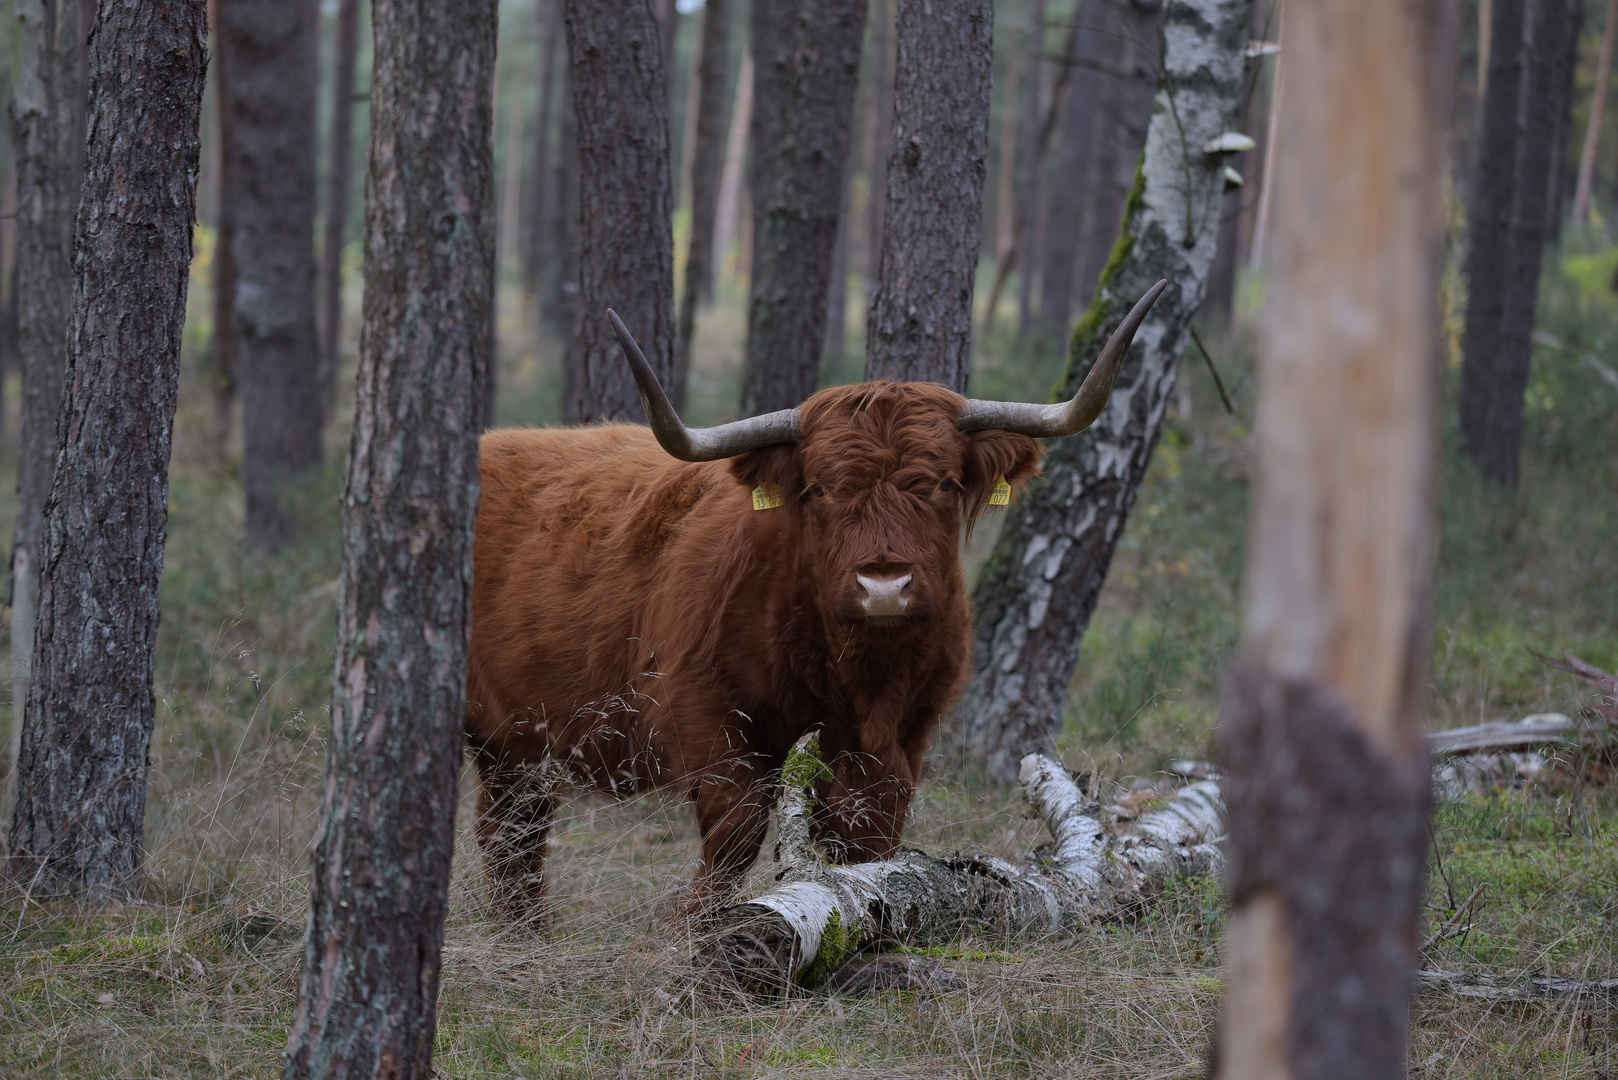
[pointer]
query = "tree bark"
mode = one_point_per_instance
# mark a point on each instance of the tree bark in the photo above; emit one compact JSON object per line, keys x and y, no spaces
{"x":807,"y":59}
{"x":707,"y":158}
{"x":878,"y":133}
{"x":1133,"y":70}
{"x":1321,"y":719}
{"x":1508,"y":220}
{"x":224,"y":251}
{"x":81,"y":797}
{"x":538,"y":258}
{"x":47,"y":143}
{"x":380,"y":878}
{"x":269,"y":51}
{"x":920,"y":324}
{"x":1031,"y":178}
{"x":626,"y":248}
{"x":1038,"y":589}
{"x":1598,"y":106}
{"x":802,"y":932}
{"x":339,"y":179}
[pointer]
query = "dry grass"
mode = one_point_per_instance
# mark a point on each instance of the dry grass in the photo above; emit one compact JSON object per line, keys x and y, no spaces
{"x":198,"y":978}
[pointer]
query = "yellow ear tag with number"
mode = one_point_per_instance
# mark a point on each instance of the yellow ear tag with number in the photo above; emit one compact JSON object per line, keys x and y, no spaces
{"x":765,"y":498}
{"x":1001,"y":495}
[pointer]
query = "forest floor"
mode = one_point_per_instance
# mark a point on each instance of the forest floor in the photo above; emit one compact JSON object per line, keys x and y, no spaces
{"x":198,"y":978}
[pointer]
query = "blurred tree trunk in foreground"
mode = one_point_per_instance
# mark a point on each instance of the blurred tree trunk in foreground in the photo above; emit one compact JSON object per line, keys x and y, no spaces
{"x":626,"y":247}
{"x":707,"y":158}
{"x":920,"y":323}
{"x":1508,"y":218}
{"x":47,"y":141}
{"x":1037,"y":591}
{"x":806,"y":69}
{"x":269,"y":51}
{"x":339,"y":179}
{"x":80,"y":811}
{"x":1321,"y":718}
{"x":380,"y":877}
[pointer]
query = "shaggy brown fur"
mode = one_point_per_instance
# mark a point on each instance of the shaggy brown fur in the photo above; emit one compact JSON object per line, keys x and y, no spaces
{"x":636,"y":623}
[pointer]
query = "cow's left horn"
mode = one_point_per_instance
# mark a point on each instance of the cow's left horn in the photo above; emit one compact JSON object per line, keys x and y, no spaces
{"x":1069,"y":417}
{"x":700,"y":444}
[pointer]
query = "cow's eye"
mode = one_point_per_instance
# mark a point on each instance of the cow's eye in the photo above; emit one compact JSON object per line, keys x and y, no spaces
{"x":816,"y":490}
{"x":949,"y":486}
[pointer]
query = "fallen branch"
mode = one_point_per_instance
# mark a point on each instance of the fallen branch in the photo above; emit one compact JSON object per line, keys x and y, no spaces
{"x":1541,"y":729}
{"x":1514,"y":988}
{"x":822,"y":915}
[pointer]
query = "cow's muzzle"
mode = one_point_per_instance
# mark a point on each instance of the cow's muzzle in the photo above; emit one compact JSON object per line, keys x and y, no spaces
{"x":884,"y":595}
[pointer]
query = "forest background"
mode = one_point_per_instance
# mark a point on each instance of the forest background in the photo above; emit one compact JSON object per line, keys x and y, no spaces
{"x":199,"y":980}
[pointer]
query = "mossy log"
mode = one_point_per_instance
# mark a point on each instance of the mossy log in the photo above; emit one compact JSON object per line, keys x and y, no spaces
{"x":822,"y":915}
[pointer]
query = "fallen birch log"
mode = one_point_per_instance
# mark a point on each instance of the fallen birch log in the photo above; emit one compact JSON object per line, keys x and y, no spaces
{"x":1541,"y":729}
{"x":1514,"y":988}
{"x":821,"y":915}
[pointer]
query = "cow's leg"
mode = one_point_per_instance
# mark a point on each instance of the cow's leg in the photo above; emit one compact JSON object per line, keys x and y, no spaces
{"x":867,"y":801}
{"x":733,"y":811}
{"x":515,"y":806}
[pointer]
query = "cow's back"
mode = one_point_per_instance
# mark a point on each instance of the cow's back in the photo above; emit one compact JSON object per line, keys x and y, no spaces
{"x":591,"y":543}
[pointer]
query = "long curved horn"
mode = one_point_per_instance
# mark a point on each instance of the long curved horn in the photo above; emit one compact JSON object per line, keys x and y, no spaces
{"x":700,"y":444}
{"x":1069,"y":417}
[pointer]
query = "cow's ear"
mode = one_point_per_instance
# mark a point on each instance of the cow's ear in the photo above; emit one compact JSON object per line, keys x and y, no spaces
{"x":776,"y":469}
{"x":992,"y":456}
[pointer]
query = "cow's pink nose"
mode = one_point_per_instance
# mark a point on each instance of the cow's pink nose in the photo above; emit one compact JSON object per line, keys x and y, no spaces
{"x":882,"y":596}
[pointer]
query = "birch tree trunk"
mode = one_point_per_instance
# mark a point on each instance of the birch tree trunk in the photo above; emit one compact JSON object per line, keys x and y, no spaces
{"x":707,"y":157}
{"x":269,"y":50}
{"x":80,"y":811}
{"x":47,"y":142}
{"x":339,"y":178}
{"x":807,"y":59}
{"x":920,"y":323}
{"x":798,"y":934}
{"x":379,"y":883}
{"x":1039,"y":587}
{"x":1322,"y":716}
{"x":1507,"y":224}
{"x":626,"y":246}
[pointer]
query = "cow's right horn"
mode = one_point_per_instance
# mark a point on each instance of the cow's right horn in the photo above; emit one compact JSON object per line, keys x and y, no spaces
{"x":700,"y":444}
{"x":1067,"y":417}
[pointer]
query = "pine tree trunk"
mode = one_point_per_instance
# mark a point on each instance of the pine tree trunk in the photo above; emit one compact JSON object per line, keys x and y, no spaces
{"x":269,"y":51}
{"x":1083,"y":155}
{"x":728,"y":213}
{"x":1321,"y":719}
{"x":707,"y":158}
{"x":878,"y":133}
{"x":837,"y":292}
{"x":1030,"y":181}
{"x":224,"y":251}
{"x":1134,"y":61}
{"x":1598,"y":105}
{"x":538,"y":258}
{"x":803,"y":123}
{"x":1508,"y":219}
{"x":561,"y":305}
{"x":920,"y":324}
{"x":339,"y":179}
{"x":47,"y":142}
{"x":626,"y":248}
{"x":81,"y":797}
{"x":1036,"y":593}
{"x":380,"y":879}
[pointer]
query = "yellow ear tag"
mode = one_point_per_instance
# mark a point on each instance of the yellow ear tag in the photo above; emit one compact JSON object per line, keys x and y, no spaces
{"x":1001,"y":495}
{"x":765,"y":498}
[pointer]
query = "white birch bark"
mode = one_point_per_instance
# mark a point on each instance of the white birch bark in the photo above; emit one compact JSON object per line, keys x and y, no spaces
{"x":822,"y":915}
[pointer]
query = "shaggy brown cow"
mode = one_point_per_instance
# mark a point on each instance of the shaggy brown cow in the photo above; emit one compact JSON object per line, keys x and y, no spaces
{"x":641,"y":621}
